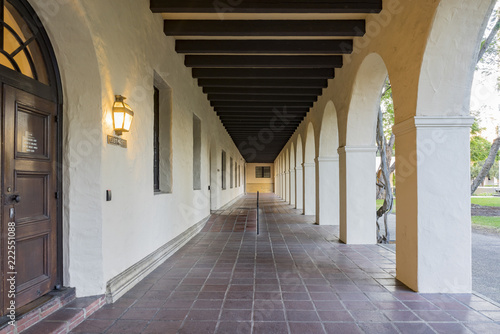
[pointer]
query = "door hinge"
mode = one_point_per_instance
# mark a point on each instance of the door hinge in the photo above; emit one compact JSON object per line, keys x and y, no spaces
{"x":57,"y":194}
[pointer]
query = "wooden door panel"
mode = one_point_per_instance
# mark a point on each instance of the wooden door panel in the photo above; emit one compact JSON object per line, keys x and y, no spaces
{"x":31,"y":271}
{"x":29,"y":180}
{"x":34,"y":203}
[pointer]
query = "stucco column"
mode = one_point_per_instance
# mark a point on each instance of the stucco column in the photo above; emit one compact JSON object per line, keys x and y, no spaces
{"x":433,"y":249}
{"x":357,"y":195}
{"x":299,"y":188}
{"x":282,"y":185}
{"x":292,"y":186}
{"x":287,"y":186}
{"x":327,"y":191}
{"x":309,"y":188}
{"x":277,"y":184}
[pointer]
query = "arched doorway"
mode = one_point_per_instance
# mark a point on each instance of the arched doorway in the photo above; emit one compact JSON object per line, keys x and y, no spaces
{"x":31,"y":155}
{"x":310,"y":173}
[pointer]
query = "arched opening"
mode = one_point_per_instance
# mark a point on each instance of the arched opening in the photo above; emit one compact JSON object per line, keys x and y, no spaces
{"x":433,"y":155}
{"x":287,"y":177}
{"x":299,"y":176}
{"x":357,"y":158}
{"x":32,"y":150}
{"x":310,"y":172}
{"x":327,"y":211}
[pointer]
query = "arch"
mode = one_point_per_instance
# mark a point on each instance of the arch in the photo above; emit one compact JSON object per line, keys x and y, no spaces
{"x":329,"y":135}
{"x":86,"y":230}
{"x":310,"y":147}
{"x":357,"y":159}
{"x":30,"y":76}
{"x":446,"y":75}
{"x":292,"y":174}
{"x":286,"y":176}
{"x":442,"y":107}
{"x":310,"y":172}
{"x":365,"y":101}
{"x":327,"y":190}
{"x":299,"y":176}
{"x":300,"y":155}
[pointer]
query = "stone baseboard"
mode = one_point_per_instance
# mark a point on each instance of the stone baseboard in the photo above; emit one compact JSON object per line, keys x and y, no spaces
{"x":120,"y":284}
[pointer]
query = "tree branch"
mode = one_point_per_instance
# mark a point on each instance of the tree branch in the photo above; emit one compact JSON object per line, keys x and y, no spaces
{"x":487,"y":42}
{"x":488,"y":163}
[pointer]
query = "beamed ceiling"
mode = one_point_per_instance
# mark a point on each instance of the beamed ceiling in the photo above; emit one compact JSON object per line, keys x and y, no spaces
{"x":256,"y":59}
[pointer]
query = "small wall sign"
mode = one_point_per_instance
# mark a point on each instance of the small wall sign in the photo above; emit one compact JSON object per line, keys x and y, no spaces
{"x":117,"y":141}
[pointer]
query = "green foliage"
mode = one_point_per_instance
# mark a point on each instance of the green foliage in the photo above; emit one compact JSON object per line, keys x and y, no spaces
{"x":388,"y":110}
{"x":479,"y":148}
{"x":476,"y":168}
{"x":476,"y":128}
{"x":493,"y":201}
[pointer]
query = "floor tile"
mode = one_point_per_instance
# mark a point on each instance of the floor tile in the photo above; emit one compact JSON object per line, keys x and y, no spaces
{"x":293,"y":278}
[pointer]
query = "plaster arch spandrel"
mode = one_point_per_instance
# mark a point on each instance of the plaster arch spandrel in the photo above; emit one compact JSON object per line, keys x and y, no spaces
{"x":450,"y":57}
{"x":329,"y":134}
{"x":310,"y":146}
{"x":365,"y":101}
{"x":70,"y":35}
{"x":300,"y":155}
{"x":398,"y":35}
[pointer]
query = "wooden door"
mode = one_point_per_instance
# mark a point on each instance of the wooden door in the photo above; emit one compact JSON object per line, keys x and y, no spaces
{"x":29,"y":194}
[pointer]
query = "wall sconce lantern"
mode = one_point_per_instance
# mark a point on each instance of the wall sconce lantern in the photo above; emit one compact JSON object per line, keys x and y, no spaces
{"x":122,"y":115}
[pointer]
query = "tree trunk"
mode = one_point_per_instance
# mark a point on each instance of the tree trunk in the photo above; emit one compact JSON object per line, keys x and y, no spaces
{"x":388,"y":200}
{"x":380,"y":180}
{"x":496,"y":143}
{"x":486,"y":44}
{"x":488,"y":163}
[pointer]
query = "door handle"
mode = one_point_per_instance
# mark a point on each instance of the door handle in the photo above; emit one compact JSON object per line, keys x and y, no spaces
{"x":15,"y":198}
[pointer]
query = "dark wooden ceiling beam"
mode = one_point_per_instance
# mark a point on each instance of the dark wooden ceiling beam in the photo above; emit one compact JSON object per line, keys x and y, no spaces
{"x":244,"y":137}
{"x":250,"y":61}
{"x":281,"y":106}
{"x":320,"y":28}
{"x":285,"y":46}
{"x":256,"y":110}
{"x":261,"y":117}
{"x":261,"y":114}
{"x":259,"y":73}
{"x":271,"y":83}
{"x":263,"y":91}
{"x":259,"y":126}
{"x":256,"y":98}
{"x":266,"y":6}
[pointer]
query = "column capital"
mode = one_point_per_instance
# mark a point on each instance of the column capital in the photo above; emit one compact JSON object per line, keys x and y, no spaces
{"x":432,"y":122}
{"x":298,"y":168}
{"x":327,"y":159}
{"x":357,"y":149}
{"x":308,"y":164}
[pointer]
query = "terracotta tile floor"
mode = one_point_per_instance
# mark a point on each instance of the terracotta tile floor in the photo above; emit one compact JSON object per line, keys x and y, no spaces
{"x":293,"y":278}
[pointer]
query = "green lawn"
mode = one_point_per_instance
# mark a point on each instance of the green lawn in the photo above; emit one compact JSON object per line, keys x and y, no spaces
{"x":486,"y":201}
{"x":493,"y":222}
{"x":380,"y":202}
{"x":486,"y":221}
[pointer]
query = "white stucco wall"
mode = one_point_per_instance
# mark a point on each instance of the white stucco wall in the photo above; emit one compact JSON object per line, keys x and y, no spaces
{"x":115,"y":47}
